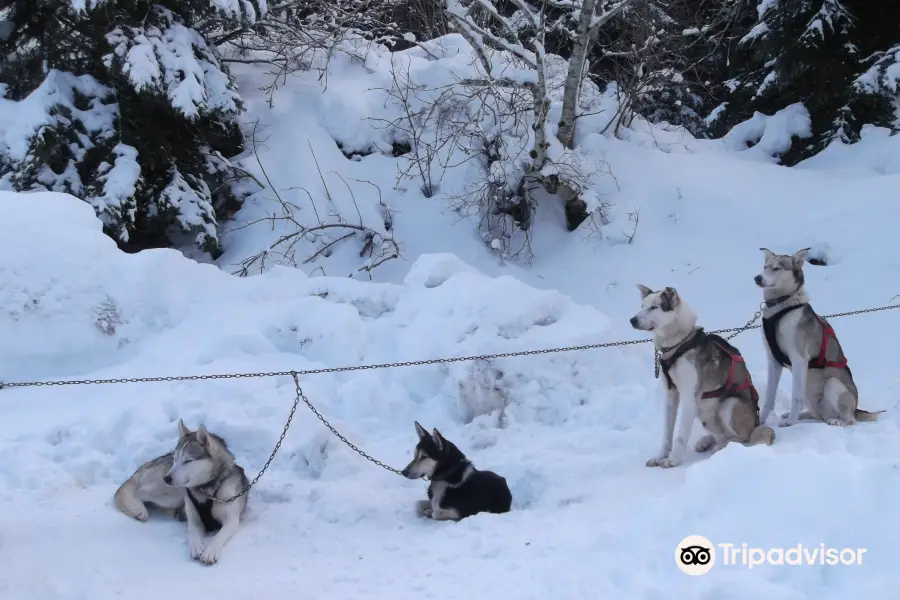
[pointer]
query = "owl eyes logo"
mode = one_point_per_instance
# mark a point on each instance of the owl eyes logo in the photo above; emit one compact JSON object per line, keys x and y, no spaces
{"x":695,"y":555}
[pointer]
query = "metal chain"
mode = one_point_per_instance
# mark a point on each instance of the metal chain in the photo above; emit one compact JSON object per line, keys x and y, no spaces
{"x":369,"y":367}
{"x":432,"y":361}
{"x":284,"y":431}
{"x":301,"y":396}
{"x":736,"y":330}
{"x":338,"y":435}
{"x":757,"y":315}
{"x":410,"y":363}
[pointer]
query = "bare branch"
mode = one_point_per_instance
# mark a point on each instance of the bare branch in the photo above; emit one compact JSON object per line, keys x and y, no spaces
{"x":377,"y":248}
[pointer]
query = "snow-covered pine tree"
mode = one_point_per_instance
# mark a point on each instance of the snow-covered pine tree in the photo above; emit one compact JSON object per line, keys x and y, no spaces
{"x":814,"y":52}
{"x":875,"y":97}
{"x":875,"y":91}
{"x":125,"y":104}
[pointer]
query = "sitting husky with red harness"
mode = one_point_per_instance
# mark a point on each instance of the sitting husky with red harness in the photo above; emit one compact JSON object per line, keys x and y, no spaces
{"x":704,"y":376}
{"x":797,"y":338}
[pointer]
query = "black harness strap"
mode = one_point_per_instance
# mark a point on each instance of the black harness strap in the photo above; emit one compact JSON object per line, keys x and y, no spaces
{"x":770,"y":328}
{"x":730,"y":386}
{"x":210,"y":523}
{"x":666,"y":363}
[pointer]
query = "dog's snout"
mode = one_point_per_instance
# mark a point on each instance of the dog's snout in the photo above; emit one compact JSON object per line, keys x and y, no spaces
{"x":168,"y":479}
{"x":405,"y":472}
{"x":633,"y":321}
{"x":758,"y":279}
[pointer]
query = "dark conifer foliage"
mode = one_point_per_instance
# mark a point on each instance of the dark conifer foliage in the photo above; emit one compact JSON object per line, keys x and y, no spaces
{"x":833,"y":56}
{"x":127,"y":105}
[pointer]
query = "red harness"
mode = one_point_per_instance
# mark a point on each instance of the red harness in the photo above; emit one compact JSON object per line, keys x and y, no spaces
{"x":729,"y":388}
{"x":820,"y":362}
{"x":770,"y":326}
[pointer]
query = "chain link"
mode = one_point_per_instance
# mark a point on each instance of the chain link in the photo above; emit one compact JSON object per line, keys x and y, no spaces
{"x":300,"y":396}
{"x":338,"y":435}
{"x":736,"y":330}
{"x":284,"y":431}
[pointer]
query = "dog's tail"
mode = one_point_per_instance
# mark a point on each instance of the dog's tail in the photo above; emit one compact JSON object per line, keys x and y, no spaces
{"x":763,"y":434}
{"x":864,"y":415}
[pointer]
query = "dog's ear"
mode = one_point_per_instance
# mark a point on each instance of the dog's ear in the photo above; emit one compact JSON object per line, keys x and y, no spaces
{"x":421,"y":431}
{"x":768,"y":254}
{"x":203,"y":435}
{"x":182,"y":429}
{"x":800,"y":257}
{"x":438,"y":440}
{"x":669,"y":299}
{"x":644,"y":290}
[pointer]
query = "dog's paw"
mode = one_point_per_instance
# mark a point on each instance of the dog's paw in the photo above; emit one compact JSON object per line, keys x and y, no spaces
{"x":705,"y":443}
{"x":786,"y":420}
{"x":837,"y":423}
{"x":197,"y":550}
{"x":668,"y":463}
{"x":209,"y":556}
{"x":655,"y":461}
{"x":142,"y":516}
{"x":423,"y":508}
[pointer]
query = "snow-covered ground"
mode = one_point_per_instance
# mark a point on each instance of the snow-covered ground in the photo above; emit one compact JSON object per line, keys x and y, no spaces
{"x":570,"y":432}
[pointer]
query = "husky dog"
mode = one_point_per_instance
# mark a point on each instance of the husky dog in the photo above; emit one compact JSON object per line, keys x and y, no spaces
{"x":146,"y":489}
{"x":201,"y":468}
{"x":705,"y":376}
{"x":797,"y":338}
{"x":457,"y":489}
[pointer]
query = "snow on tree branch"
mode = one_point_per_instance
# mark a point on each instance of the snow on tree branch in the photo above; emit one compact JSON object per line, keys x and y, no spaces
{"x":170,"y":59}
{"x":118,"y":184}
{"x":244,"y":11}
{"x":75,"y":103}
{"x":479,"y":36}
{"x":607,"y":14}
{"x":142,"y":135}
{"x":190,"y":197}
{"x":830,"y":18}
{"x":509,"y":42}
{"x":883,"y":76}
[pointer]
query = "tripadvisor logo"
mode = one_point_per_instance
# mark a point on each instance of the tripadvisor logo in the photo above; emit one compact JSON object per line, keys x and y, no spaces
{"x":696,"y":555}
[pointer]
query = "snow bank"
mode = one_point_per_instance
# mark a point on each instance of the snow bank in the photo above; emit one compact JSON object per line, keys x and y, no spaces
{"x":570,"y":432}
{"x":877,"y":153}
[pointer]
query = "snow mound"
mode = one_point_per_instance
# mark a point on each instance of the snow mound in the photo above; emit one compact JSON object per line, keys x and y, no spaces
{"x":877,"y":153}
